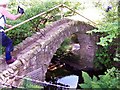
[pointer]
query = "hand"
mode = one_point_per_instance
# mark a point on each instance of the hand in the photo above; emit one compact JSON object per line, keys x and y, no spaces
{"x":20,"y":10}
{"x":8,"y":26}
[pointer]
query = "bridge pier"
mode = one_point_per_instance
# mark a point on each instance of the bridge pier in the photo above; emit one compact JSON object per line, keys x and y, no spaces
{"x":87,"y":51}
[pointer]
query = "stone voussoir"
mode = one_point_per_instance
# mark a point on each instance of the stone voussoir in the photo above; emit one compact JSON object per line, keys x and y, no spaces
{"x":41,"y":49}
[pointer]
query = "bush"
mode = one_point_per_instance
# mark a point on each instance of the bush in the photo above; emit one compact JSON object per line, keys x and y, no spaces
{"x":111,"y":79}
{"x":33,"y":8}
{"x":109,"y":40}
{"x":27,"y":29}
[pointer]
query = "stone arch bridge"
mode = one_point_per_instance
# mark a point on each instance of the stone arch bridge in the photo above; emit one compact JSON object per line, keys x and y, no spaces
{"x":34,"y":54}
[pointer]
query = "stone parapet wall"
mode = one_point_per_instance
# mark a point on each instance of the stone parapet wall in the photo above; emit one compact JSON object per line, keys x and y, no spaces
{"x":34,"y":54}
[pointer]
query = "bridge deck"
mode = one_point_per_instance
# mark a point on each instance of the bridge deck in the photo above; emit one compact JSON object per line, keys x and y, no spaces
{"x":35,"y":53}
{"x":28,"y":44}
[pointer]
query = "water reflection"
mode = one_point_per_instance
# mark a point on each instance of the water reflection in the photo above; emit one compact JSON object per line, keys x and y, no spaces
{"x":71,"y":81}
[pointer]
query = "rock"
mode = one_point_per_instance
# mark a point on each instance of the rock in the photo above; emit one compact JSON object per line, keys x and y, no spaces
{"x":75,"y":49}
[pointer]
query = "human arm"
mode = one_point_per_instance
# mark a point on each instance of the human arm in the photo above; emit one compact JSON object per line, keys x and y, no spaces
{"x":6,"y":13}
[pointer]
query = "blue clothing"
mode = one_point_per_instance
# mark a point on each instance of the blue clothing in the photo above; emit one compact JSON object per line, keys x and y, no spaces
{"x":6,"y":42}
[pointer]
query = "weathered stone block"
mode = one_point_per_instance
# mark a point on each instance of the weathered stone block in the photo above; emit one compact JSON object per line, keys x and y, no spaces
{"x":34,"y":54}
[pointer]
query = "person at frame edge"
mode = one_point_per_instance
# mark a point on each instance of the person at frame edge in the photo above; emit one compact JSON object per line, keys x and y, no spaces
{"x":5,"y":41}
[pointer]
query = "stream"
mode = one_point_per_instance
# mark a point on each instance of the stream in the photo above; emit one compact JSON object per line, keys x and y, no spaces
{"x":57,"y":71}
{"x":63,"y":68}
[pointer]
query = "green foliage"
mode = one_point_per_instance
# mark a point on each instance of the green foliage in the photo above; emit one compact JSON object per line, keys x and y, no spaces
{"x":111,"y":79}
{"x":89,"y":82}
{"x":108,"y":26}
{"x":117,"y":56}
{"x":26,"y":30}
{"x":33,"y":7}
{"x":109,"y":31}
{"x":62,"y":51}
{"x":102,"y":59}
{"x":29,"y":85}
{"x":65,"y":44}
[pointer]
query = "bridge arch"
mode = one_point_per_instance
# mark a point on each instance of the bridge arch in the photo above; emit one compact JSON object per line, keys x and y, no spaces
{"x":35,"y":53}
